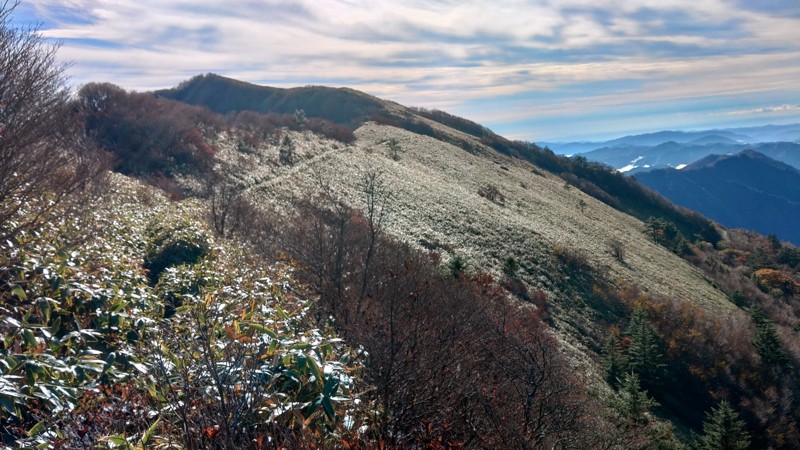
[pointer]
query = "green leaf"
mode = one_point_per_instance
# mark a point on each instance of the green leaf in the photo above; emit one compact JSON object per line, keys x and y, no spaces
{"x":139,"y":366}
{"x":312,"y":363}
{"x":30,"y":339}
{"x":110,"y":359}
{"x":262,"y":329}
{"x":56,"y":326}
{"x":281,"y":312}
{"x":301,"y":362}
{"x":37,"y":429}
{"x":328,"y":406}
{"x":331,"y":384}
{"x":149,"y":433}
{"x":118,"y":440}
{"x":8,"y":404}
{"x":19,"y":292}
{"x":44,"y":306}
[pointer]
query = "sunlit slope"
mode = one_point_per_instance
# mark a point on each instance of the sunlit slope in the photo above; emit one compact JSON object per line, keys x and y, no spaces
{"x":435,"y":203}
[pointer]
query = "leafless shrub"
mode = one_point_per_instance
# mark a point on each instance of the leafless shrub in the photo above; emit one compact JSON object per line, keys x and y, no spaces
{"x":492,"y":193}
{"x":617,"y":249}
{"x":432,"y":338}
{"x":44,"y":162}
{"x":394,"y":149}
{"x":230,"y":212}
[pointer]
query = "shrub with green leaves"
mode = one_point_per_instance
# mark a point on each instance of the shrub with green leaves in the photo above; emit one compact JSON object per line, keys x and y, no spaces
{"x":240,"y":361}
{"x":69,"y":315}
{"x":88,"y":360}
{"x":173,"y":243}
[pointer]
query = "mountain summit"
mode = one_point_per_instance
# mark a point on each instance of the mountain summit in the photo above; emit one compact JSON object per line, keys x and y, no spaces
{"x":224,"y":95}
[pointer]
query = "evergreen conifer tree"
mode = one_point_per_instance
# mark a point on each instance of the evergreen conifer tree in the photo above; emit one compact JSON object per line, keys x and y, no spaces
{"x":614,"y":362}
{"x":645,"y":358}
{"x":632,"y":402}
{"x":769,"y":346}
{"x":766,"y":342}
{"x":723,"y":430}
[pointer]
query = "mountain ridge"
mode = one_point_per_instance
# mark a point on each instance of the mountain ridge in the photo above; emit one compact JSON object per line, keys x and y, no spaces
{"x":225,"y":95}
{"x":740,"y":135}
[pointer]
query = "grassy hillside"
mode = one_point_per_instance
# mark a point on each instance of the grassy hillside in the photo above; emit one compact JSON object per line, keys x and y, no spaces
{"x":435,"y":199}
{"x":353,"y":108}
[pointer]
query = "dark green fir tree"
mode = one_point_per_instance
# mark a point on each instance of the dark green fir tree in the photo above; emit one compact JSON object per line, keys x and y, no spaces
{"x":645,"y":357}
{"x":723,"y":430}
{"x":615,"y":364}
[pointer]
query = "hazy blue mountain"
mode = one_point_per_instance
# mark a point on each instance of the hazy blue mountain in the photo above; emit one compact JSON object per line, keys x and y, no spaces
{"x":771,"y":133}
{"x":744,"y":135}
{"x":713,"y":139}
{"x":745,"y":190}
{"x":636,"y":158}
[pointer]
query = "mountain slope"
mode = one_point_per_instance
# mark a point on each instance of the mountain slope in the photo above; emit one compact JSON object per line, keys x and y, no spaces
{"x":471,"y":137}
{"x":747,"y":190}
{"x":435,"y":202}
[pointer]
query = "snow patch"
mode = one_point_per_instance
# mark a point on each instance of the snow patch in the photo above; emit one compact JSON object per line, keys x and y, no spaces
{"x":630,"y":166}
{"x":681,"y":166}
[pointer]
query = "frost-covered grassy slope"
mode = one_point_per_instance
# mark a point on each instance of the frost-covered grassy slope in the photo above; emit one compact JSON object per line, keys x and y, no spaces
{"x":435,"y":199}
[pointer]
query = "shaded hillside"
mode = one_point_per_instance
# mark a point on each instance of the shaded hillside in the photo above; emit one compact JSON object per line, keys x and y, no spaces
{"x":611,"y":187}
{"x":638,"y":158}
{"x":225,"y":95}
{"x":747,"y":190}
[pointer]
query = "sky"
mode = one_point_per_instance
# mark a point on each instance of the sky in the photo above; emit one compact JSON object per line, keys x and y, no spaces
{"x":545,"y":70}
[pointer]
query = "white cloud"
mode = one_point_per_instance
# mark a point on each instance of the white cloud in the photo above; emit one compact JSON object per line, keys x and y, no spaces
{"x":765,"y":110}
{"x":441,"y":53}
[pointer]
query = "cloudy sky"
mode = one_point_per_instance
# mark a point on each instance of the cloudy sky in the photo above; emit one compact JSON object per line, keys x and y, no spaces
{"x":536,"y":70}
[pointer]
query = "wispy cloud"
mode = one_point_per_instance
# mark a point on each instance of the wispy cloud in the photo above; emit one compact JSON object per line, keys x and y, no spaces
{"x":776,"y":109}
{"x":511,"y":64}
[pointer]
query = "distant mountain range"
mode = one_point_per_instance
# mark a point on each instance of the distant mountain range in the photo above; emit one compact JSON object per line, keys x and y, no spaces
{"x":677,"y":149}
{"x":636,"y":158}
{"x":746,"y":190}
{"x":745,"y":135}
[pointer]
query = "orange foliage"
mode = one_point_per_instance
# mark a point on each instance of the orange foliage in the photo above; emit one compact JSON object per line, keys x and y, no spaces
{"x":775,"y":279}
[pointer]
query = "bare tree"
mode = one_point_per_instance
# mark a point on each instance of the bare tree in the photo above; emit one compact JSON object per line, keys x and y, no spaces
{"x":230,"y":212}
{"x":40,"y":169}
{"x":377,"y":197}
